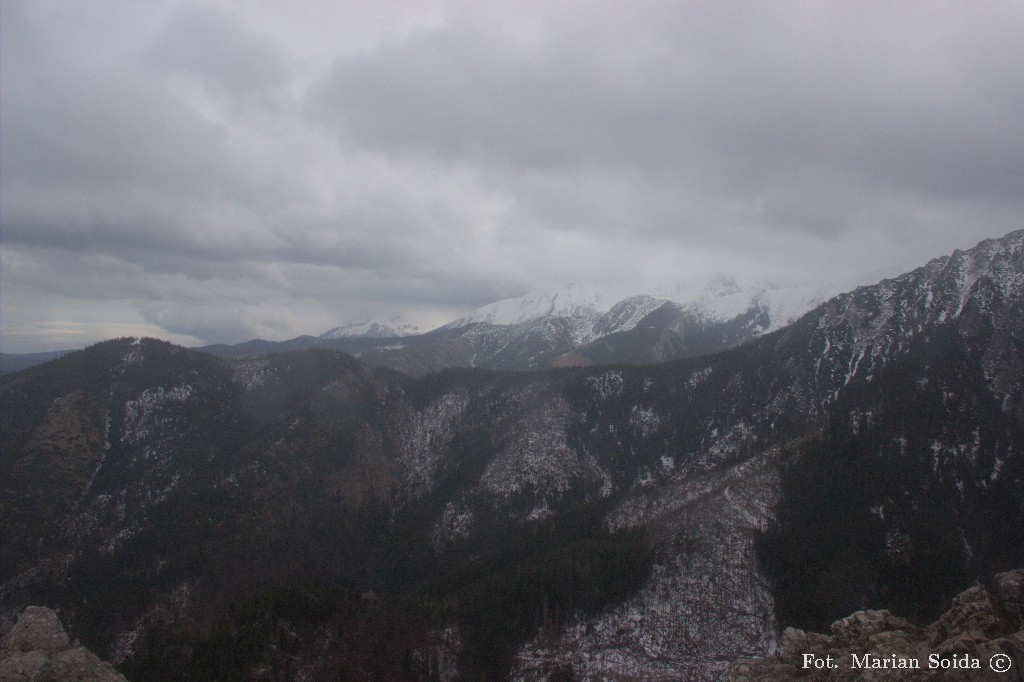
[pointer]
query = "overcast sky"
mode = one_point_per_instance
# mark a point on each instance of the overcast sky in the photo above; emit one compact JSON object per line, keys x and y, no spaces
{"x":215,"y":171}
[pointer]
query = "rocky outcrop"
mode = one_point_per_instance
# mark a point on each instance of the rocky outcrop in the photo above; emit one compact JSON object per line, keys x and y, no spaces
{"x":37,"y":649}
{"x":979,"y":638}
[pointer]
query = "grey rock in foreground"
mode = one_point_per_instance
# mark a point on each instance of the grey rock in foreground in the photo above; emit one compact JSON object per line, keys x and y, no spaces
{"x":38,"y":650}
{"x":979,"y":638}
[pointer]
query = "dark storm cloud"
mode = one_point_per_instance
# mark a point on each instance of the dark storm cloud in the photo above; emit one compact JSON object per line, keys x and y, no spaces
{"x":221,"y":170}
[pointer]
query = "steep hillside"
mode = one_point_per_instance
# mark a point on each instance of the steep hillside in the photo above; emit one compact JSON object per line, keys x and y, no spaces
{"x":651,"y":521}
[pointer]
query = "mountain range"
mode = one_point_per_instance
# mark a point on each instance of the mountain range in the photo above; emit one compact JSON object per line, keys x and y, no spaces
{"x":572,"y":326}
{"x":373,"y":329}
{"x":307,"y":513}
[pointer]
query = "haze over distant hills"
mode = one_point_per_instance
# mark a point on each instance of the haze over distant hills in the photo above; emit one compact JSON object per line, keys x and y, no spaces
{"x":13,"y":362}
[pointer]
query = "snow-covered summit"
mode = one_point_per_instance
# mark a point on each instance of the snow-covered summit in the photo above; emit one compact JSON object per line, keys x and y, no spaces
{"x":375,"y":329}
{"x":603,"y":310}
{"x":573,"y":300}
{"x":781,"y":305}
{"x":598,"y":323}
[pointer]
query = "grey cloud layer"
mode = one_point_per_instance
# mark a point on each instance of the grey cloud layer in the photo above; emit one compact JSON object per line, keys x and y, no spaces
{"x":732,"y":97}
{"x":227,"y":171}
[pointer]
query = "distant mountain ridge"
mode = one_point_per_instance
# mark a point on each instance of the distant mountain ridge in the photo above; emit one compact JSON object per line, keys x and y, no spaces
{"x":601,"y":312}
{"x":393,"y":328}
{"x":570,"y":301}
{"x":572,"y":326}
{"x":14,"y":362}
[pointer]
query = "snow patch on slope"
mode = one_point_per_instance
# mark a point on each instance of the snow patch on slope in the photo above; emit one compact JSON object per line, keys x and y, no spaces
{"x":537,"y":458}
{"x":704,"y":596}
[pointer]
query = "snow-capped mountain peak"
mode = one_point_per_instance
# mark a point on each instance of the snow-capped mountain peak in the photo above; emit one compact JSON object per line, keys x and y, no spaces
{"x":599,"y":323}
{"x":722,"y":285}
{"x":726,"y":298}
{"x":370,"y":328}
{"x":598,"y":311}
{"x":571,"y":301}
{"x":555,"y":322}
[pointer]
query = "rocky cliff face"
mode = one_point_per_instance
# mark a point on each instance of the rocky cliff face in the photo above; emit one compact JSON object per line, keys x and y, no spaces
{"x":979,"y":638}
{"x":37,"y":649}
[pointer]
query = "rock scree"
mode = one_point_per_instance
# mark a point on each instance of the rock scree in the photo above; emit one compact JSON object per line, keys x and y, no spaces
{"x":36,"y":649}
{"x":979,"y":638}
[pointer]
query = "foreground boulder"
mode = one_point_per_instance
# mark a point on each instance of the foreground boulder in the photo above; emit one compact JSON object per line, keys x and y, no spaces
{"x":37,"y":649}
{"x":979,"y":638}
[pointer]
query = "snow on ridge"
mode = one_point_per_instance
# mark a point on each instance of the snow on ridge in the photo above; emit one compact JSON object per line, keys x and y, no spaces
{"x":601,"y":310}
{"x":997,"y":259}
{"x":783,"y":306}
{"x":571,"y":301}
{"x":372,"y":328}
{"x":626,"y":314}
{"x":598,"y":310}
{"x":725,"y":299}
